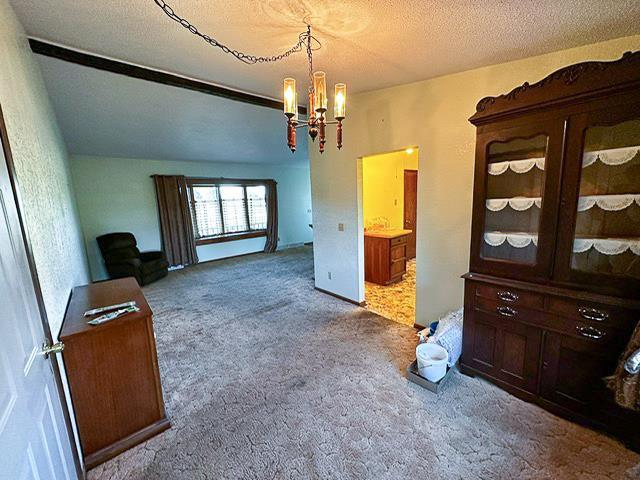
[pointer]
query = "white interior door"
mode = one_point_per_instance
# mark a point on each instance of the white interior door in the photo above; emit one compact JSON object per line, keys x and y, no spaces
{"x":34,"y":442}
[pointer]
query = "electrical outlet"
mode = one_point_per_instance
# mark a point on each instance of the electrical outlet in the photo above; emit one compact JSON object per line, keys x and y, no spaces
{"x":329,"y":275}
{"x":341,"y":227}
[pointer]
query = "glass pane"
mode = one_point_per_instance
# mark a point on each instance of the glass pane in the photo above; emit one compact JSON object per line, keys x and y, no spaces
{"x":515,"y":185}
{"x":607,"y":236}
{"x":206,"y":214}
{"x":233,"y":208}
{"x":257,"y":198}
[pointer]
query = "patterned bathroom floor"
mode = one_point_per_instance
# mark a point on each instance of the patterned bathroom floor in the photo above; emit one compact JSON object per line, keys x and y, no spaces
{"x":396,"y":302}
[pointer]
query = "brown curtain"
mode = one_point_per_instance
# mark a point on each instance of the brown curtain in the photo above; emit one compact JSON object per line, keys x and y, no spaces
{"x":178,"y":241}
{"x":272,"y":217}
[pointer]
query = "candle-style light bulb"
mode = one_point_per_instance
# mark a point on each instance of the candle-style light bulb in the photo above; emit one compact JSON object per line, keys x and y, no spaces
{"x":320,"y":91}
{"x":340,"y":101}
{"x":290,"y":97}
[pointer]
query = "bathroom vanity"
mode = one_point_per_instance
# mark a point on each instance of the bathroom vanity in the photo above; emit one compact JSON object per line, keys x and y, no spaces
{"x":385,"y":255}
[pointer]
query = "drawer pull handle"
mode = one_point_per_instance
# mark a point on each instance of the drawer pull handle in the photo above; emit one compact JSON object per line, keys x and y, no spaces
{"x":593,"y":314}
{"x":506,"y":311}
{"x":590,"y":332}
{"x":508,"y":296}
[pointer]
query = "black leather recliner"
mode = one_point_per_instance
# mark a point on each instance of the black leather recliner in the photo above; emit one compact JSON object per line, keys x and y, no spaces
{"x":123,"y":259}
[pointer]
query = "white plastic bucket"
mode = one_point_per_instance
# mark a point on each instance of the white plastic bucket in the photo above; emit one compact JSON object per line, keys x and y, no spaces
{"x":432,"y":361}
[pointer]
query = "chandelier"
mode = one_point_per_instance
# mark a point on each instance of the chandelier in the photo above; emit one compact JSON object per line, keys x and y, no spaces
{"x":316,"y":122}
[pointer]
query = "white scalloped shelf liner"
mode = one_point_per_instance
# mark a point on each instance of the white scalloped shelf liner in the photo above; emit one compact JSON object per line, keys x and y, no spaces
{"x":609,"y":203}
{"x":517,"y":240}
{"x":606,"y":246}
{"x":517,"y":203}
{"x":611,"y":156}
{"x":517,"y":166}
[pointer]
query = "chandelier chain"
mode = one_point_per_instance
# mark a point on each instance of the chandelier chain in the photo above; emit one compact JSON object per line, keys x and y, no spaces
{"x":305,"y":39}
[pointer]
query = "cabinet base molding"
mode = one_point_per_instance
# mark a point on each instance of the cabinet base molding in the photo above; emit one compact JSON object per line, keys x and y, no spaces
{"x":126,"y":443}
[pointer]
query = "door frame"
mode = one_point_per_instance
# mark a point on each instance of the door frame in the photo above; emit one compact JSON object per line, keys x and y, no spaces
{"x":8,"y":158}
{"x":404,"y":206}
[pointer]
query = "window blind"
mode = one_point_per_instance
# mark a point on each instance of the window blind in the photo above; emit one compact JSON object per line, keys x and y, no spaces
{"x":220,"y":209}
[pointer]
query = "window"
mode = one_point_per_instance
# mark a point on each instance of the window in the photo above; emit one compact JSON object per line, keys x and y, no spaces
{"x":224,"y":210}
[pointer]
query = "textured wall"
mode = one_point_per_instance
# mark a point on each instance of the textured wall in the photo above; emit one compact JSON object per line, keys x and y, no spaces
{"x":42,"y":169}
{"x":433,"y":115}
{"x":116,"y":194}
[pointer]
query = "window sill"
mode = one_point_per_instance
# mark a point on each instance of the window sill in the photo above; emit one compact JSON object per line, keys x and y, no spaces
{"x":230,"y":237}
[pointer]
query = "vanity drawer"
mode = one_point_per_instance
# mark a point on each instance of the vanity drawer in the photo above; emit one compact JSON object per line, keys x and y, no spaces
{"x":594,"y":313}
{"x":399,"y":240}
{"x":510,"y":296}
{"x":398,"y":252}
{"x":399,"y":267}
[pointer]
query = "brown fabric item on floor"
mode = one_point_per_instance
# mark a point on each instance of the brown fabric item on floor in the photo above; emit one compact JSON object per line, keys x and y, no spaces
{"x":178,"y":242}
{"x":625,"y":385}
{"x":272,"y":216}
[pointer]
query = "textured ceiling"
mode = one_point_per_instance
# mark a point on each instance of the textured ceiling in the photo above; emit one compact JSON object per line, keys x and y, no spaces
{"x":369,"y":44}
{"x":105,"y":114}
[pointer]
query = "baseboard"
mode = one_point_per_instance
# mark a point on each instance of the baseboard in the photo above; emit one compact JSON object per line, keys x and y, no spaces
{"x":290,"y":245}
{"x":225,"y":258}
{"x":340,"y":297}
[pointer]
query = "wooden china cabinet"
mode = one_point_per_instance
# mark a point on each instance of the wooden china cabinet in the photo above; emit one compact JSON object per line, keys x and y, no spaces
{"x":553,"y":292}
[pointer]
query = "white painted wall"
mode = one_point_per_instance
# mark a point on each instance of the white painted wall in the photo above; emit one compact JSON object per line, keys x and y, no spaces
{"x":41,"y":162}
{"x":433,"y":115}
{"x":117,"y":194}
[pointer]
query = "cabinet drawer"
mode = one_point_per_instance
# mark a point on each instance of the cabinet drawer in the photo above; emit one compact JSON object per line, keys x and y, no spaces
{"x":399,"y":241}
{"x":593,"y":313}
{"x":510,"y":296}
{"x":507,"y":311}
{"x":398,"y":252}
{"x":599,"y":334}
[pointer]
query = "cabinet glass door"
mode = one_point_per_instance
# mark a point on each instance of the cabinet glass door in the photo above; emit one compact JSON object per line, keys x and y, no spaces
{"x":515,"y":187}
{"x":605,"y":239}
{"x":607,"y":233}
{"x":514,"y":218}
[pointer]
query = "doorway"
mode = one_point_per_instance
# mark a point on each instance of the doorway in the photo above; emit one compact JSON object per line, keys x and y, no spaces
{"x":390,"y":219}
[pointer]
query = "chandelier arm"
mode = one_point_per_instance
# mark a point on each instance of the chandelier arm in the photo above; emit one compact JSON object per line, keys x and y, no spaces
{"x":305,"y":39}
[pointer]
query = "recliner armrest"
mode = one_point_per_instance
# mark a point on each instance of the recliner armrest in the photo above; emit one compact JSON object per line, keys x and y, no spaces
{"x":152,"y":255}
{"x":126,"y":262}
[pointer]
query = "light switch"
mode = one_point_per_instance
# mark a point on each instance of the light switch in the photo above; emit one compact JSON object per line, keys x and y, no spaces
{"x":341,"y":227}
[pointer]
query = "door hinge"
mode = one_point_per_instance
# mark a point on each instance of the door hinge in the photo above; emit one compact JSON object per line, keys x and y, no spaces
{"x":48,"y":349}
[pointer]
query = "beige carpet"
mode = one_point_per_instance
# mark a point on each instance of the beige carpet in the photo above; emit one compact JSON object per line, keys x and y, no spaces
{"x":266,"y":378}
{"x":397,"y":301}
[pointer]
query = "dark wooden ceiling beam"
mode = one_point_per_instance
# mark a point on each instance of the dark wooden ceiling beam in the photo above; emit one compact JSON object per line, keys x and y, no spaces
{"x":148,"y":74}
